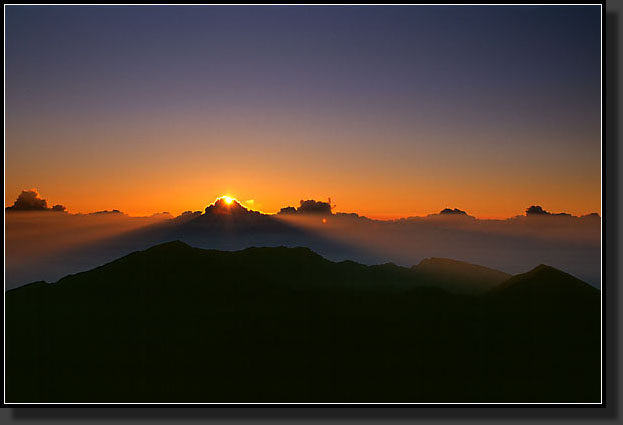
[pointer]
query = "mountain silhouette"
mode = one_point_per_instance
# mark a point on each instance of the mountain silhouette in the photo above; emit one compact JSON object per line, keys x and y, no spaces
{"x":546,"y":305}
{"x":175,"y":323}
{"x":458,"y":276}
{"x":543,"y":284}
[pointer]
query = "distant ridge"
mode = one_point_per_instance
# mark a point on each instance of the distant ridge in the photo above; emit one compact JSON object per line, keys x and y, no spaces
{"x":545,"y":290}
{"x":547,"y":281}
{"x":459,"y":276}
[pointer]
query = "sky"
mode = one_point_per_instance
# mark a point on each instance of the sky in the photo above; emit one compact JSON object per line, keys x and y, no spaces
{"x":389,"y":111}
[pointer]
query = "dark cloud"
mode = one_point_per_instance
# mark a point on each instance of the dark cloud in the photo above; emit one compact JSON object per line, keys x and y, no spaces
{"x":287,"y":210}
{"x":190,"y":214}
{"x":350,"y":215}
{"x":309,"y":206}
{"x":104,"y":212}
{"x":537,"y":210}
{"x":30,"y":200}
{"x":591,"y":216}
{"x":448,"y":214}
{"x":163,"y":214}
{"x":452,"y":211}
{"x":187,"y":216}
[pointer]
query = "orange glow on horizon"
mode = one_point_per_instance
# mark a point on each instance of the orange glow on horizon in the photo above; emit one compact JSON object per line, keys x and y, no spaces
{"x":176,"y":206}
{"x":371,"y":200}
{"x":275,"y":174}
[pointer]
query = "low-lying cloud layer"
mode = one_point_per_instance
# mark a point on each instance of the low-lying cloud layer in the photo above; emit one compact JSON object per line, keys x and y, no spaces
{"x":45,"y":246}
{"x":514,"y":245}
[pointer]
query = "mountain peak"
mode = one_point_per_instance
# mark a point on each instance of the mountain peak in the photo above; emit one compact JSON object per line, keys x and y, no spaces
{"x":449,"y":265}
{"x":459,"y":275}
{"x":176,"y":244}
{"x":545,"y":280}
{"x":543,"y":270}
{"x":439,"y":261}
{"x":542,"y":267}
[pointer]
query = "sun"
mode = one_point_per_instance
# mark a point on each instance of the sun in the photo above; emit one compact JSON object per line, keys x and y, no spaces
{"x":228,"y":200}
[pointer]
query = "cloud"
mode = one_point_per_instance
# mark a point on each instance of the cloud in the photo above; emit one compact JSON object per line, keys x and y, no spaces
{"x":449,"y":214}
{"x":190,"y":214}
{"x":591,"y":216}
{"x":287,"y":210}
{"x":30,"y":200}
{"x":537,"y":210}
{"x":309,"y":206}
{"x":163,"y":214}
{"x":452,"y":211}
{"x":107,"y":212}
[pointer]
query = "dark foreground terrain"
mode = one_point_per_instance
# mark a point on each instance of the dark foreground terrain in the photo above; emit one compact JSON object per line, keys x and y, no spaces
{"x":181,"y":324}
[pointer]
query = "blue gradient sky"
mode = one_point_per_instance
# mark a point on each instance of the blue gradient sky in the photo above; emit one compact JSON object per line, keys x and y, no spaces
{"x":391,"y":111}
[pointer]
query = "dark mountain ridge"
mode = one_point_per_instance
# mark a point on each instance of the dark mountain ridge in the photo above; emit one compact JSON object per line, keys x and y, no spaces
{"x":459,"y":276}
{"x":175,"y":323}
